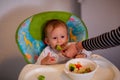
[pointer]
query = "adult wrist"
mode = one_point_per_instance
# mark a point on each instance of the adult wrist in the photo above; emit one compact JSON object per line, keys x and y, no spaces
{"x":79,"y":46}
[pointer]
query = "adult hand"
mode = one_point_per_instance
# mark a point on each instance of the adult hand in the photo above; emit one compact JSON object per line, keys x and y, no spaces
{"x":73,"y":49}
{"x":70,"y":51}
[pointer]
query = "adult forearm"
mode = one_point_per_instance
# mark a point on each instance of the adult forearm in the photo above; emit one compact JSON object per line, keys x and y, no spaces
{"x":106,"y":40}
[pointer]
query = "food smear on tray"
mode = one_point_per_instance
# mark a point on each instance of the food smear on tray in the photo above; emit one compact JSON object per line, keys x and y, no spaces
{"x":78,"y":68}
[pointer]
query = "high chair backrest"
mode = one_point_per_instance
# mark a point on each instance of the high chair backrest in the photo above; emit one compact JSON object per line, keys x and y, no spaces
{"x":29,"y":35}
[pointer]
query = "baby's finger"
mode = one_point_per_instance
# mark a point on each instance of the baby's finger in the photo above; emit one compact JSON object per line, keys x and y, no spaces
{"x":49,"y":54}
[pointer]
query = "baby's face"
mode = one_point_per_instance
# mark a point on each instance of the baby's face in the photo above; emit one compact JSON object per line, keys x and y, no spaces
{"x":58,"y":36}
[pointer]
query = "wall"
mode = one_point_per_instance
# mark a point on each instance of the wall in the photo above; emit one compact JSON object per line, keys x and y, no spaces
{"x":101,"y":16}
{"x":12,"y":12}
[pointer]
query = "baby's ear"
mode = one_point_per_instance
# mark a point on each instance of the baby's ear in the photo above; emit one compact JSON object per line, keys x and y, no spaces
{"x":46,"y":41}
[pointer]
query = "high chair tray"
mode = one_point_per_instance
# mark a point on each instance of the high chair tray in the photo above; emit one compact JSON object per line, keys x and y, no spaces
{"x":106,"y":71}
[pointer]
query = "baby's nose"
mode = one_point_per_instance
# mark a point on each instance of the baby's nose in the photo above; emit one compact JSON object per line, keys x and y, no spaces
{"x":59,"y":40}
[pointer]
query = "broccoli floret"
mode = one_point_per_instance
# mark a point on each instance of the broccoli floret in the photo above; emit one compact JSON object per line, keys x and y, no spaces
{"x":41,"y":77}
{"x":58,"y":47}
{"x":71,"y":67}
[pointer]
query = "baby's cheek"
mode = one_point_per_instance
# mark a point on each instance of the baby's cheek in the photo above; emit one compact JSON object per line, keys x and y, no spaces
{"x":53,"y":44}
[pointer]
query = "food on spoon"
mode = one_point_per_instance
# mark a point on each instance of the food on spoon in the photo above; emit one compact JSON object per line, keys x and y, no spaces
{"x":78,"y":68}
{"x":58,"y":47}
{"x":41,"y":77}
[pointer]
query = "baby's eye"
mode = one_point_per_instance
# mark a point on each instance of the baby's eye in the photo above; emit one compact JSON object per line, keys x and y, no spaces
{"x":62,"y":36}
{"x":54,"y":37}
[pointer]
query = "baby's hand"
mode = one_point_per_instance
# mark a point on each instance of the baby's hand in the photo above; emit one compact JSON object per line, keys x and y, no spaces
{"x":48,"y":60}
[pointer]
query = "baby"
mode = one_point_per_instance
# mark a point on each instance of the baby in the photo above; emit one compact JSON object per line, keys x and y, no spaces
{"x":56,"y":37}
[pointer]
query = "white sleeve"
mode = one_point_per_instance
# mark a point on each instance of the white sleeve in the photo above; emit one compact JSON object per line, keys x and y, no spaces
{"x":40,"y":58}
{"x":43,"y":54}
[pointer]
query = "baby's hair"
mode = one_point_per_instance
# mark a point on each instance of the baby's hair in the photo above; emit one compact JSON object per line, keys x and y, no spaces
{"x":54,"y":23}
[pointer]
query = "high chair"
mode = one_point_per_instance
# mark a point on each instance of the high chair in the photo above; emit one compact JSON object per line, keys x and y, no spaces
{"x":29,"y":35}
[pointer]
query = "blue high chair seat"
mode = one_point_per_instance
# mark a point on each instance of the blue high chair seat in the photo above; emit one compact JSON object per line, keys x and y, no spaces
{"x":29,"y":35}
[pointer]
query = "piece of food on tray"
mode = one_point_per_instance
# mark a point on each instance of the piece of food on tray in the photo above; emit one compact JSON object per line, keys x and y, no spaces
{"x":41,"y":77}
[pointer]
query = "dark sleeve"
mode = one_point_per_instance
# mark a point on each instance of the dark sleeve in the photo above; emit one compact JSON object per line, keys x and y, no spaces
{"x":103,"y":41}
